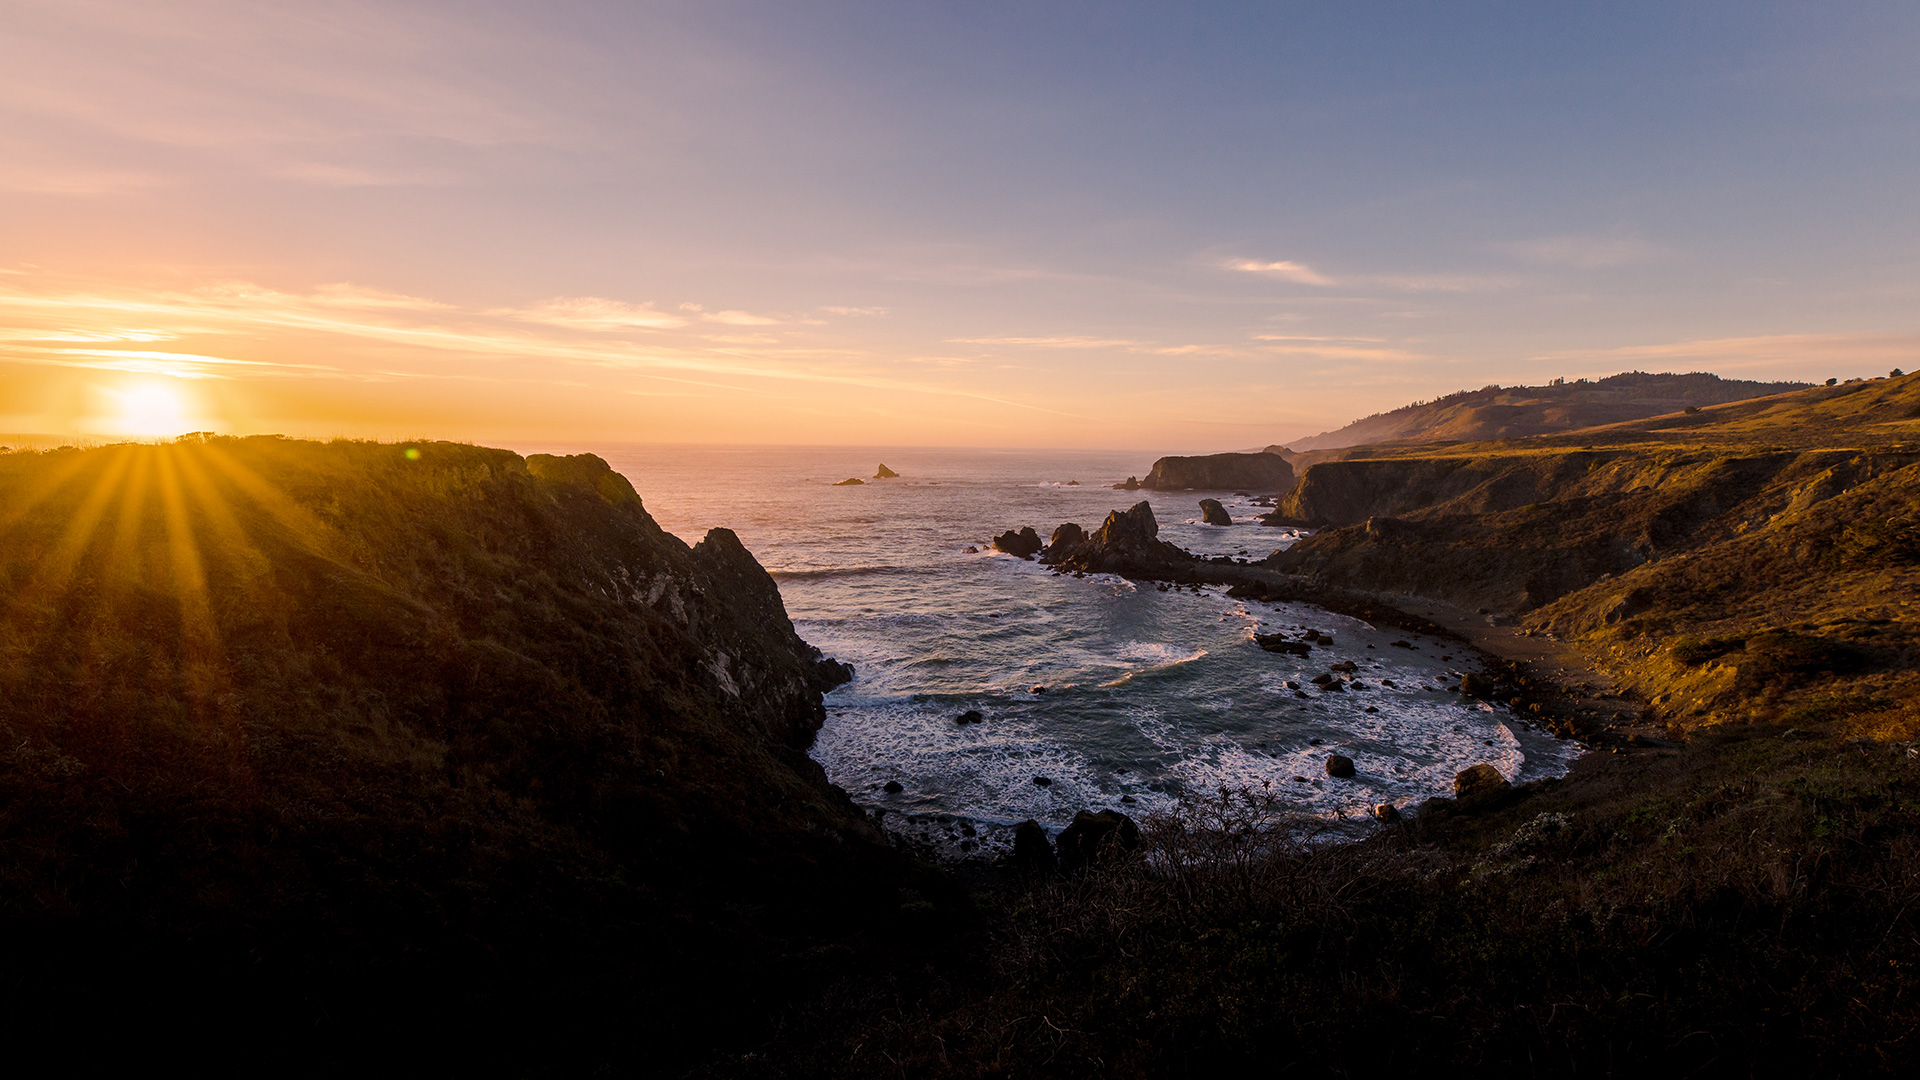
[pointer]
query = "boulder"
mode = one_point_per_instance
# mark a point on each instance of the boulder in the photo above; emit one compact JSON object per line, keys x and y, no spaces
{"x":1093,"y":838}
{"x":1482,"y":779}
{"x":1340,"y":766}
{"x":1476,"y":685}
{"x":971,"y":716}
{"x":1387,"y":812}
{"x":1213,"y":513}
{"x":885,"y":473}
{"x":1032,"y":852}
{"x":893,"y":787}
{"x":1026,"y":543}
{"x":1278,"y":643}
{"x":1220,"y":472}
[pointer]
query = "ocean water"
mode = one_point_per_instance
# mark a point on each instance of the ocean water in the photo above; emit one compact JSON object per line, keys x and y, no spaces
{"x":1115,"y":693}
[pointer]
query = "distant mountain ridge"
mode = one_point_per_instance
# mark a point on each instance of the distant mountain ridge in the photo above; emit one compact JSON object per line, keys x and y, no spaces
{"x":1497,"y":412}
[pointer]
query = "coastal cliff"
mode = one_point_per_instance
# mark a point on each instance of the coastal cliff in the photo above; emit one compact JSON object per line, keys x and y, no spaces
{"x":428,"y":731}
{"x":1736,"y":523}
{"x":1264,"y":473}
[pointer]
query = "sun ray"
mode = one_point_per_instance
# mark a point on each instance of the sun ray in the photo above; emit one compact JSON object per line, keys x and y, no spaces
{"x":128,"y":558}
{"x":55,"y":481}
{"x":303,"y":526}
{"x":58,"y":565}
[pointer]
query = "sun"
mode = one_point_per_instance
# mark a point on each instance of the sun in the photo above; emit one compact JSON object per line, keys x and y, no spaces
{"x":151,"y":409}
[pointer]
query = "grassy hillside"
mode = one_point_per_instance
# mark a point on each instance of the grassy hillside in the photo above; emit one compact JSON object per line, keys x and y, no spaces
{"x":1784,"y":523}
{"x":1739,"y":898}
{"x":352,"y":741}
{"x":1496,"y":412}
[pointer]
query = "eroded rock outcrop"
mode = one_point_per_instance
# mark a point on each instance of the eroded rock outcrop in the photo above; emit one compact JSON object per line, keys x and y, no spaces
{"x":1127,"y":543}
{"x":1213,"y":513}
{"x":1220,"y":472}
{"x":1026,"y":543}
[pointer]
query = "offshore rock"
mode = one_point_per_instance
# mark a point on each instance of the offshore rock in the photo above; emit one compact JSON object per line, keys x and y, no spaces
{"x":1132,"y":484}
{"x":1026,"y":543}
{"x":1213,"y":513}
{"x":885,"y":473}
{"x":1095,"y":838}
{"x":1220,"y":472}
{"x":1340,"y":766}
{"x":851,"y":481}
{"x":1127,"y":543}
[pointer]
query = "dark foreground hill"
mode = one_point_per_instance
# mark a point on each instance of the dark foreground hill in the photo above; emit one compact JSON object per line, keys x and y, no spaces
{"x":420,"y":755}
{"x":1497,"y":412}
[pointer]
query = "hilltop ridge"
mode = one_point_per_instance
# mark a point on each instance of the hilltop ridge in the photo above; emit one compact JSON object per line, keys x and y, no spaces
{"x":1497,"y":412}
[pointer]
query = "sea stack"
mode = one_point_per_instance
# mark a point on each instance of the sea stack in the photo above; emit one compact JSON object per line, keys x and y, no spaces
{"x":1213,"y":513}
{"x":885,"y":473}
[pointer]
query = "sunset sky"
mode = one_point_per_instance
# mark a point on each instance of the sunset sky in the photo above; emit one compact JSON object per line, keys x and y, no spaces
{"x":1164,"y":226}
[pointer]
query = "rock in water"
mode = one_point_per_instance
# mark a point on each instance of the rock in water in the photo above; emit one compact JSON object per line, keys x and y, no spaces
{"x":1066,"y":540}
{"x":1128,"y":543}
{"x":1278,"y":643}
{"x":1032,"y":852}
{"x":1340,"y":766}
{"x":850,"y":480}
{"x":1026,"y":543}
{"x":1093,"y":838}
{"x":1213,"y":513}
{"x":829,"y":673}
{"x":1387,"y":812}
{"x":1482,"y":779}
{"x":885,"y":473}
{"x":1132,"y":484}
{"x":1220,"y":472}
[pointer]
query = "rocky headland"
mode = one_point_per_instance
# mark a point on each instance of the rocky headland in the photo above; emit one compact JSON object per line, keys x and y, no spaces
{"x":346,"y":743}
{"x":1720,"y":599}
{"x":1220,"y":472}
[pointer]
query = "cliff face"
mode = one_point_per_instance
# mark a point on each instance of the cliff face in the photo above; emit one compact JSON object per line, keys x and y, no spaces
{"x":1781,"y":530}
{"x":1260,"y":473}
{"x":342,"y":707}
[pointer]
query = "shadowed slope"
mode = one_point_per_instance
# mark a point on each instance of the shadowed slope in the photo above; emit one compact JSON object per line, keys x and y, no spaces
{"x":339,"y":733}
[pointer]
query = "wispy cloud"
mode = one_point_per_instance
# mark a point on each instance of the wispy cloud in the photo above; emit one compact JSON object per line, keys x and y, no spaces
{"x":855,"y":312}
{"x":594,"y":313}
{"x":1065,"y":342}
{"x":1284,"y":269}
{"x":1331,"y":351}
{"x":1301,"y":337}
{"x":1586,"y":251}
{"x":145,"y":362}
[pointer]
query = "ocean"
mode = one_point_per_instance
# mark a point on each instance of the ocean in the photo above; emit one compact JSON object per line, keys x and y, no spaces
{"x":1092,"y":692}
